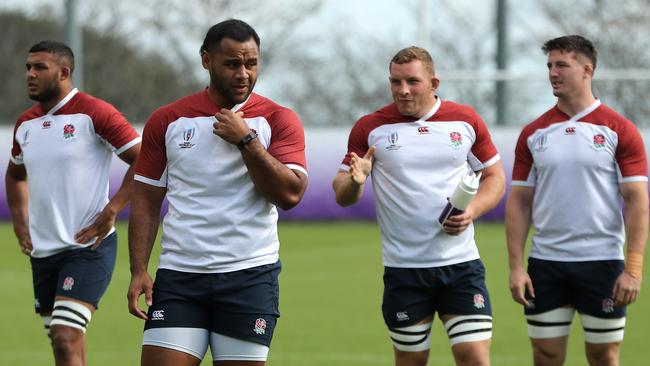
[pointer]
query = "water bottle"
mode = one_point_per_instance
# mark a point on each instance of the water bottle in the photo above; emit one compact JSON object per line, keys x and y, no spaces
{"x":460,"y":199}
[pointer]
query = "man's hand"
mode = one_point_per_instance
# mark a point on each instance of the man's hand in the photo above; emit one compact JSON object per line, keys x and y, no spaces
{"x":520,"y":283}
{"x":455,"y":225}
{"x":102,"y":225}
{"x":626,"y":289}
{"x":360,"y":167}
{"x":140,"y":284}
{"x":230,"y":126}
{"x":24,"y":240}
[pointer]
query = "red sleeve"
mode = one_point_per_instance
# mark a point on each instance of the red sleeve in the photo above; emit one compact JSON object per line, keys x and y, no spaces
{"x":152,"y":160}
{"x":357,"y":141}
{"x":113,"y":127}
{"x":287,"y":138}
{"x":15,"y":148}
{"x":523,"y":158}
{"x":630,"y":152}
{"x":483,"y":147}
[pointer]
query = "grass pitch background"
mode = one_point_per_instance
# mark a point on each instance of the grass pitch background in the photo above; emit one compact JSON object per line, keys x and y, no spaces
{"x":330,"y":291}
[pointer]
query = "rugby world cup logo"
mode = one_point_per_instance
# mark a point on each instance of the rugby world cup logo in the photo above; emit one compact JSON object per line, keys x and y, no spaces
{"x":188,"y":135}
{"x":540,"y":143}
{"x":393,"y":138}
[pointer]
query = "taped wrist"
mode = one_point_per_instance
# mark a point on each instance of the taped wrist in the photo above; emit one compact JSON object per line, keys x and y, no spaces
{"x":634,"y":264}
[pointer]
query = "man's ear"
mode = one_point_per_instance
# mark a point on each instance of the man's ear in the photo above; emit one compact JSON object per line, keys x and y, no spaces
{"x":205,"y":59}
{"x":589,"y":69}
{"x":66,"y":73}
{"x":435,"y":83}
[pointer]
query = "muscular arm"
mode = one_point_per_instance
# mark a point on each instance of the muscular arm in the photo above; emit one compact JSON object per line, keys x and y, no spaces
{"x":280,"y":185}
{"x":518,"y":220}
{"x":105,"y":221}
{"x":348,"y":186}
{"x":628,"y":284}
{"x":17,"y":198}
{"x":143,"y":227}
{"x":488,"y":196}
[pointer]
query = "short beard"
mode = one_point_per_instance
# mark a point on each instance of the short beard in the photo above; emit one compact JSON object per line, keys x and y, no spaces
{"x":225,"y":91}
{"x":51,"y":92}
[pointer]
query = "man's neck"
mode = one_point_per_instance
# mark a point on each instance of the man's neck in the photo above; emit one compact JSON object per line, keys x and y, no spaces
{"x":46,"y":106}
{"x":575,"y":105}
{"x":218,"y":99}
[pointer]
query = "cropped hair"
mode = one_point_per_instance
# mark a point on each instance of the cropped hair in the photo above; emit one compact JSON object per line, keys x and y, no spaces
{"x":58,"y":49}
{"x":414,"y":53}
{"x":234,"y":29}
{"x":574,"y":43}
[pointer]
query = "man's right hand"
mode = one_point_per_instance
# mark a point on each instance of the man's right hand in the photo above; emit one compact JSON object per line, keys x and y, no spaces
{"x":140,"y":284}
{"x":360,"y":167}
{"x":24,"y":240}
{"x":520,"y":283}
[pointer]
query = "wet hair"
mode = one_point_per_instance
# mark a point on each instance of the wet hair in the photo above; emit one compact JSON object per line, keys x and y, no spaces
{"x":574,"y":43}
{"x":58,"y":49}
{"x":234,"y":29}
{"x":414,"y":53}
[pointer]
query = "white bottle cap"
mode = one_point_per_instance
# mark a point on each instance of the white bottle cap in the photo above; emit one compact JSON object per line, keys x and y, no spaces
{"x":465,"y":191}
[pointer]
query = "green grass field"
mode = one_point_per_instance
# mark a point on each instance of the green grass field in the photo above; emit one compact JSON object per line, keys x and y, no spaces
{"x":330,"y":302}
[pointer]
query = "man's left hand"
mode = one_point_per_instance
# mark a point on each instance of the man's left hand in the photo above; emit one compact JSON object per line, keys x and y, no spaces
{"x":455,"y":225}
{"x":626,"y":289}
{"x":103,"y":224}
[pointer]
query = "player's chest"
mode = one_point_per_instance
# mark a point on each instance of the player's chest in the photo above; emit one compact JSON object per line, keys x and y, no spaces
{"x":53,"y":138}
{"x":422,"y":145}
{"x":574,"y":145}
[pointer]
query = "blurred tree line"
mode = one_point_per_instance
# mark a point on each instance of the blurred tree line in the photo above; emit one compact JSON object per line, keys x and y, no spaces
{"x":328,"y":64}
{"x":136,"y":82}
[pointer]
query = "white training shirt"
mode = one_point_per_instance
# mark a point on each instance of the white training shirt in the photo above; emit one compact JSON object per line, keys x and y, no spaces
{"x":67,"y":153}
{"x":217,"y":220}
{"x":417,"y":165}
{"x":576,"y":165}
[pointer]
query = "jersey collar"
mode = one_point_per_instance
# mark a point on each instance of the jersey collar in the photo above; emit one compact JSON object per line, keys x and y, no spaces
{"x":432,"y":111}
{"x":63,"y":101}
{"x":586,"y":111}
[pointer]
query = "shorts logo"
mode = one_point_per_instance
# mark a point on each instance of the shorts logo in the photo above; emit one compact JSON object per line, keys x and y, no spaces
{"x":608,"y":305}
{"x":158,"y":315}
{"x":599,"y":141}
{"x":68,"y":283}
{"x":423,"y":130}
{"x":188,"y":135}
{"x":68,"y":131}
{"x":479,"y":301}
{"x":392,"y":142}
{"x":260,"y":326}
{"x":456,"y":139}
{"x":402,"y":315}
{"x":37,"y":304}
{"x":47,"y":124}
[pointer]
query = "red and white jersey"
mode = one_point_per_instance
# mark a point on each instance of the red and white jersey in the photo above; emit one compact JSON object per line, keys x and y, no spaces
{"x":576,"y":165}
{"x":67,"y":153}
{"x":417,"y":165}
{"x":217,"y":220}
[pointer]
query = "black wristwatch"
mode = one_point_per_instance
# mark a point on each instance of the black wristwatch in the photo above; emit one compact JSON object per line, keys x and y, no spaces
{"x":247,"y":139}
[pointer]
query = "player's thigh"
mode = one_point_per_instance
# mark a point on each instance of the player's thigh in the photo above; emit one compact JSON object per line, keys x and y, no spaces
{"x":465,"y":307}
{"x":87,"y":272}
{"x":245,"y":317}
{"x":45,"y":277}
{"x":161,"y":356}
{"x":472,"y":353}
{"x":179,"y":316}
{"x":408,"y":296}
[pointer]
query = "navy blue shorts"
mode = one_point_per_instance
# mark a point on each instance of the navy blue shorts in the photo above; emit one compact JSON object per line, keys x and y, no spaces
{"x":586,"y":286}
{"x":412,"y":294}
{"x":81,"y":274}
{"x":241,"y":304}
